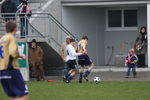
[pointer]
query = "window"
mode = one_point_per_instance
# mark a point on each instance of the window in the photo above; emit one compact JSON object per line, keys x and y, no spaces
{"x":130,"y":18}
{"x":114,"y":18}
{"x":121,"y":19}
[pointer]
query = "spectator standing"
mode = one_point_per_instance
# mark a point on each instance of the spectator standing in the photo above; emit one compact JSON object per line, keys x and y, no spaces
{"x":25,"y":13}
{"x":17,"y":2}
{"x":36,"y":60}
{"x":141,"y":46}
{"x":130,"y":62}
{"x":64,"y":55}
{"x":8,"y":6}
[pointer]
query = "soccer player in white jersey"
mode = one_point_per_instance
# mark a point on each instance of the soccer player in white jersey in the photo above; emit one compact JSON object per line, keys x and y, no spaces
{"x":71,"y":60}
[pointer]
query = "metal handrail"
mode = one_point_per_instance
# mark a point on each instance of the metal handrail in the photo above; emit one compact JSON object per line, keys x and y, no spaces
{"x":2,"y":2}
{"x":19,"y":7}
{"x":42,"y":34}
{"x":35,"y":29}
{"x":62,"y":27}
{"x":52,"y":18}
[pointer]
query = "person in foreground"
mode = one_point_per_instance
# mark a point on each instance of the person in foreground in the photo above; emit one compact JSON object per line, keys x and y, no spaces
{"x":10,"y":76}
{"x":130,"y":62}
{"x":84,"y":60}
{"x":71,"y":60}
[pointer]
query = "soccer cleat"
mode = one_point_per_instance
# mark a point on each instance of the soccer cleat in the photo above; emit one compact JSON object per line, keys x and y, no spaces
{"x":86,"y":79}
{"x":67,"y":81}
{"x":80,"y":80}
{"x":64,"y":79}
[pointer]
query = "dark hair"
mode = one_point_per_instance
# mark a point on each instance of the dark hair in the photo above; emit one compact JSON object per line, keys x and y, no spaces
{"x":144,"y":28}
{"x":34,"y":40}
{"x":11,"y":26}
{"x":25,"y":2}
{"x":72,"y":40}
{"x":85,"y":37}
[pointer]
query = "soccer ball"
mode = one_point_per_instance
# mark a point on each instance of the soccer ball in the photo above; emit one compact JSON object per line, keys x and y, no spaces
{"x":97,"y":79}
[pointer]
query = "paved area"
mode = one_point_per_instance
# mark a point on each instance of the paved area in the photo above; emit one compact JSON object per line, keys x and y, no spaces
{"x":111,"y":73}
{"x":110,"y":76}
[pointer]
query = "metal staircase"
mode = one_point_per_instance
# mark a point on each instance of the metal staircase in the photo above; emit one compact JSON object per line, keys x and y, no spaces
{"x":49,"y":32}
{"x":36,"y":5}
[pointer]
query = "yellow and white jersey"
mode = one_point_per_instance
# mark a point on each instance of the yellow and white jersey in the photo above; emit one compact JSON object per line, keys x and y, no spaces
{"x":82,"y":46}
{"x":8,"y":52}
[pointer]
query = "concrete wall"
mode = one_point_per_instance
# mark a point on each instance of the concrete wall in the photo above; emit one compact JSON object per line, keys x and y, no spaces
{"x":90,"y":21}
{"x":123,"y":40}
{"x":87,"y":21}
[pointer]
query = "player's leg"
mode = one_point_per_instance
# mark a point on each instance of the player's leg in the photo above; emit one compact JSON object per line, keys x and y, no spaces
{"x":91,"y":66}
{"x":71,"y":64}
{"x":69,"y":73}
{"x":26,"y":97}
{"x":72,"y":74}
{"x":15,"y":86}
{"x":21,"y":89}
{"x":11,"y":98}
{"x":81,"y":73}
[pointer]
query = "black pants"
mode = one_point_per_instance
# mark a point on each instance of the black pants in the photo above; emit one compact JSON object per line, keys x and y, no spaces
{"x":141,"y":62}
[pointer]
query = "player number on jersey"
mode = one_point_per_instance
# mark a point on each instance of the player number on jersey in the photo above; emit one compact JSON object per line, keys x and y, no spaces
{"x":1,"y":52}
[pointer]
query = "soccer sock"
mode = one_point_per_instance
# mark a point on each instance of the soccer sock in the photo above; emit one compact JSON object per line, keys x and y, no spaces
{"x":70,"y":78}
{"x":67,"y":75}
{"x":81,"y":74}
{"x":87,"y":73}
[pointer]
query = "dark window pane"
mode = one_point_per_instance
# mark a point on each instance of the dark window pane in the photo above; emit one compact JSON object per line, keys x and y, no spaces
{"x":130,"y":18}
{"x":114,"y":18}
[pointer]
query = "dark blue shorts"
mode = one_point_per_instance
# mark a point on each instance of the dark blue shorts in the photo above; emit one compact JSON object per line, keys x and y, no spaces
{"x":71,"y":64}
{"x":84,"y":60}
{"x":13,"y":83}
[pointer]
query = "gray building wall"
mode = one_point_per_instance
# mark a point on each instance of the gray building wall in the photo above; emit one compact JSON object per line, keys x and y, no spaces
{"x":123,"y":39}
{"x":87,"y":21}
{"x":90,"y":21}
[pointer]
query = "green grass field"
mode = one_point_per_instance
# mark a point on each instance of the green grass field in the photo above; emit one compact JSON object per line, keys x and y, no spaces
{"x":87,"y":91}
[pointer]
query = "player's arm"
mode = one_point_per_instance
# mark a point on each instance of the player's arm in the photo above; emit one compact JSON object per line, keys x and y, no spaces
{"x":13,"y":49}
{"x":84,"y":46}
{"x":73,"y":52}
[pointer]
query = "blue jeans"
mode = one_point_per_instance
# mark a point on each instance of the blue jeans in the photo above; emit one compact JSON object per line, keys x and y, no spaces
{"x":66,"y":70}
{"x":133,"y":68}
{"x":24,"y":27}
